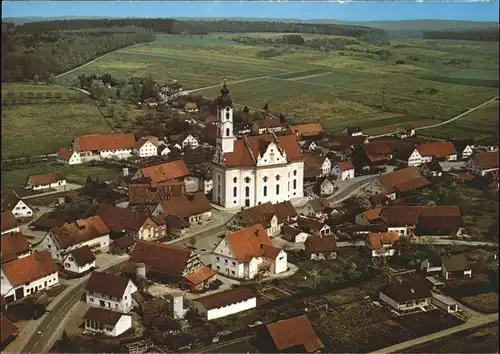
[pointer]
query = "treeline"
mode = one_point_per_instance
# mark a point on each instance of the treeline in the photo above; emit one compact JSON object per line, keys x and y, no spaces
{"x":46,"y":54}
{"x":372,"y":35}
{"x":482,"y":36}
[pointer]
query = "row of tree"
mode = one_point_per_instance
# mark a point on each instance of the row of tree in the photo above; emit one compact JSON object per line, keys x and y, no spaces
{"x":482,"y":36}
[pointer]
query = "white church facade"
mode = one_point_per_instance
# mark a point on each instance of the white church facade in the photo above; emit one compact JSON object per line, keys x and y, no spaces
{"x":254,"y":169}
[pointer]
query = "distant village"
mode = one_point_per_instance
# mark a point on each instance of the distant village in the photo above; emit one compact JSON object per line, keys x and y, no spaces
{"x":268,"y":194}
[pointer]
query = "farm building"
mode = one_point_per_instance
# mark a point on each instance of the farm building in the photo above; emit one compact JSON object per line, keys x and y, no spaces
{"x":225,"y":303}
{"x":110,"y":323}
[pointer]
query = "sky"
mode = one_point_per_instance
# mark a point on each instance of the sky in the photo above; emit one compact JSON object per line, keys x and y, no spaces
{"x":305,"y":10}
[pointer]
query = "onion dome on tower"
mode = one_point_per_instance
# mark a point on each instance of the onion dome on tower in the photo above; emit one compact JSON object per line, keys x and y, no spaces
{"x":224,"y":100}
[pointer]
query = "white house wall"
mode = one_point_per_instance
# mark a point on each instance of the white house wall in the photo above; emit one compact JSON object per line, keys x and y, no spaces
{"x":231,"y":309}
{"x":124,"y":304}
{"x":28,"y":289}
{"x":21,"y":210}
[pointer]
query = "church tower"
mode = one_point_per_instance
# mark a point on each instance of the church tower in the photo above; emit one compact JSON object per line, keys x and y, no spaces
{"x":225,"y":135}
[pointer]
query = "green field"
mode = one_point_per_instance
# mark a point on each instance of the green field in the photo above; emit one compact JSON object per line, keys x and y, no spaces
{"x":421,"y":79}
{"x":42,"y":126}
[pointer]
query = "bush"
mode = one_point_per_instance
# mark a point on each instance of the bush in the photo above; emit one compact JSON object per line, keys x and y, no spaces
{"x":400,"y":62}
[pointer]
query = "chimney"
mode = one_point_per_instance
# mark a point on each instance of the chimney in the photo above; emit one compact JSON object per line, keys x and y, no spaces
{"x":125,"y":171}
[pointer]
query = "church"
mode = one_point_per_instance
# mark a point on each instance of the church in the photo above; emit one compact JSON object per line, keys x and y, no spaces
{"x":254,"y":169}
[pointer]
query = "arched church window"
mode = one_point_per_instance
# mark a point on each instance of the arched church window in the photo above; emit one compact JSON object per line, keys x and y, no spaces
{"x":227,"y":132}
{"x":265,"y":191}
{"x":227,"y":115}
{"x":235,"y":191}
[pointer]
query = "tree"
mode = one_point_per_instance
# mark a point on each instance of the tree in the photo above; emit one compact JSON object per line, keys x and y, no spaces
{"x":266,"y":107}
{"x":36,"y":79}
{"x":315,"y":277}
{"x":246,"y":110}
{"x":282,"y":118}
{"x":192,"y":241}
{"x":111,"y":111}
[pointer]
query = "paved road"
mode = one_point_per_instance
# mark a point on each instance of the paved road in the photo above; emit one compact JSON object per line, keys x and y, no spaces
{"x":471,"y":323}
{"x":446,"y":121}
{"x":343,"y":194}
{"x":30,"y":157}
{"x":68,"y":187}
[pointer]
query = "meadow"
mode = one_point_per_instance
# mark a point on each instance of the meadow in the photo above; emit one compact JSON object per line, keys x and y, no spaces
{"x":41,"y":125}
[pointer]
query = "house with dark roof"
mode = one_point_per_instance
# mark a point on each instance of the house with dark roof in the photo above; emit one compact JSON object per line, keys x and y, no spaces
{"x":9,"y":222}
{"x":107,"y":322}
{"x":110,"y":292}
{"x":464,"y":148}
{"x":372,"y":154}
{"x":432,"y":169}
{"x":79,"y":260}
{"x":20,"y":208}
{"x":455,"y":266}
{"x":407,"y":296}
{"x":242,"y":254}
{"x":324,"y":187}
{"x":270,"y":216}
{"x":293,"y":234}
{"x":397,"y":182}
{"x":194,"y":208}
{"x":313,"y":226}
{"x":480,"y":163}
{"x":291,"y":335}
{"x":45,"y":181}
{"x":145,"y":194}
{"x":404,"y":219}
{"x":14,"y":246}
{"x":46,"y":222}
{"x":321,"y":247}
{"x":318,"y":163}
{"x":369,"y":217}
{"x":382,"y":244}
{"x":225,"y":303}
{"x":122,"y":245}
{"x":91,"y":232}
{"x":353,"y":131}
{"x":28,"y":275}
{"x":405,"y":131}
{"x":140,"y":225}
{"x":100,"y":146}
{"x":344,"y":170}
{"x":318,"y":208}
{"x":9,"y":332}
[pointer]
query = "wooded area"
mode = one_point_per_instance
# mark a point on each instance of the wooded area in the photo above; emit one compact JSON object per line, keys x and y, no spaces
{"x":483,"y":36}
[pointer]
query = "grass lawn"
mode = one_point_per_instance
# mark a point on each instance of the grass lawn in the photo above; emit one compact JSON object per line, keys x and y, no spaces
{"x":16,"y":177}
{"x":37,"y":129}
{"x":485,"y":303}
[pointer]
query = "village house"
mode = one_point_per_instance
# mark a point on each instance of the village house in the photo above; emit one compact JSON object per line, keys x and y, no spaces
{"x":242,"y":254}
{"x":107,"y":322}
{"x":122,"y":245}
{"x":163,"y":150}
{"x":102,"y":146}
{"x":254,"y":169}
{"x":145,"y":194}
{"x":407,"y":296}
{"x":445,"y":303}
{"x":308,"y":131}
{"x":480,"y":163}
{"x":441,"y":151}
{"x":431,"y":169}
{"x":45,"y":181}
{"x":372,"y":154}
{"x":321,"y":247}
{"x":191,"y":107}
{"x":206,"y":181}
{"x":344,"y":170}
{"x":14,"y":246}
{"x":404,"y":219}
{"x":28,"y":275}
{"x":268,"y":126}
{"x":176,"y":226}
{"x":68,"y":157}
{"x":438,"y":225}
{"x":144,"y":147}
{"x":345,"y":145}
{"x":183,"y":141}
{"x":455,"y":266}
{"x":313,"y":226}
{"x":46,"y":222}
{"x":432,"y":264}
{"x":20,"y":208}
{"x":406,"y":131}
{"x":399,"y":181}
{"x":353,"y":131}
{"x":270,"y":216}
{"x":79,"y":261}
{"x":382,"y":244}
{"x":408,"y":156}
{"x":325,"y":187}
{"x":9,"y":332}
{"x":225,"y":303}
{"x":194,"y":208}
{"x":309,"y":145}
{"x":369,"y":217}
{"x":110,"y":291}
{"x":291,"y":335}
{"x":175,"y":265}
{"x":141,"y":226}
{"x":163,"y":172}
{"x":292,"y":234}
{"x":321,"y":162}
{"x":91,"y":232}
{"x":464,"y":148}
{"x":318,"y":208}
{"x":9,"y":222}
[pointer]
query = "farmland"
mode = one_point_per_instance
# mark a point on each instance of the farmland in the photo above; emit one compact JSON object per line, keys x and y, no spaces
{"x":40,"y":119}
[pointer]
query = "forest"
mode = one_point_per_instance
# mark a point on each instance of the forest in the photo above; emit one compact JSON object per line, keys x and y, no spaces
{"x":483,"y":36}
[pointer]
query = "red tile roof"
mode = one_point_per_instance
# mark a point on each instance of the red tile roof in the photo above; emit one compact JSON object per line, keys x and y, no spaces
{"x":251,"y":242}
{"x":485,"y":160}
{"x":8,"y":329}
{"x":30,"y":268}
{"x":307,"y":130}
{"x":8,"y":221}
{"x":269,"y":123}
{"x":65,"y":154}
{"x":294,"y":332}
{"x":12,"y":245}
{"x":345,"y":165}
{"x":379,"y":150}
{"x":411,"y":184}
{"x":409,"y":215}
{"x":146,"y":194}
{"x":121,"y":219}
{"x":48,"y":178}
{"x":377,"y":240}
{"x":186,"y":205}
{"x":391,"y":179}
{"x":440,"y":149}
{"x":141,"y":142}
{"x":320,"y":244}
{"x":80,"y":231}
{"x":105,"y":142}
{"x":199,"y":276}
{"x":166,"y":171}
{"x":247,"y":149}
{"x":372,"y":214}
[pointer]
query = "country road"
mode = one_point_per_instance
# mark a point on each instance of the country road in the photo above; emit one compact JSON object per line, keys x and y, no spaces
{"x":471,"y":323}
{"x":444,"y":122}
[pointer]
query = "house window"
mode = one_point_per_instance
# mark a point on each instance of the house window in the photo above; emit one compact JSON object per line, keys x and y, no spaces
{"x":265,"y":191}
{"x":247,"y":191}
{"x":277,"y":189}
{"x":227,"y":132}
{"x":235,"y":191}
